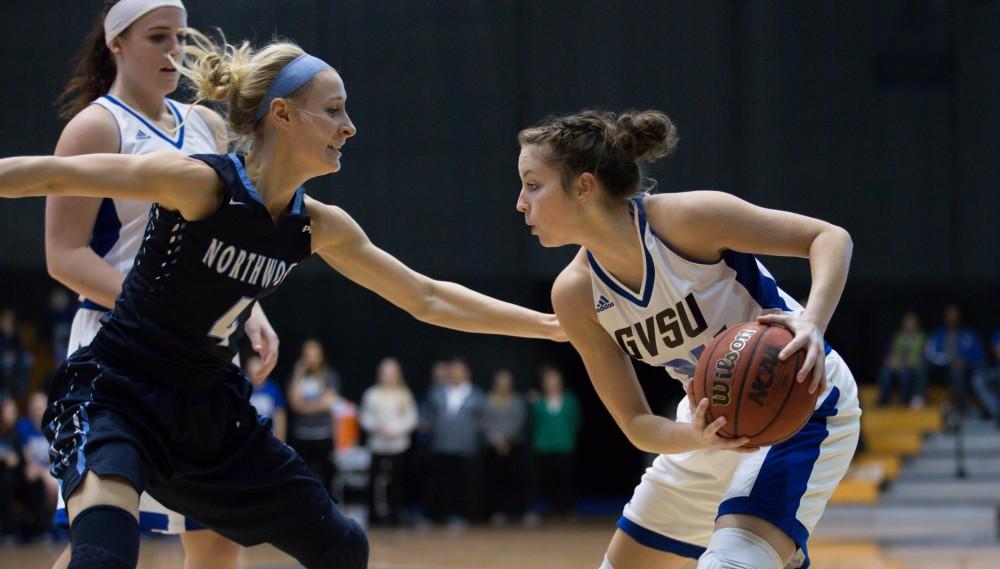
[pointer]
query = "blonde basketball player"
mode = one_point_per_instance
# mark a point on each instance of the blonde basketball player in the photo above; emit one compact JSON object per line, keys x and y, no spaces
{"x":154,"y":402}
{"x":656,"y":277}
{"x":117,"y":102}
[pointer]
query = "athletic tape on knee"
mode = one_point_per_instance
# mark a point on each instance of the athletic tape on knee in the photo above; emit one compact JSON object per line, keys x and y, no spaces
{"x":735,"y":548}
{"x":104,"y":537}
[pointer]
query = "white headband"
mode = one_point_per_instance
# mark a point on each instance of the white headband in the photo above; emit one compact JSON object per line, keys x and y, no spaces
{"x":124,"y":13}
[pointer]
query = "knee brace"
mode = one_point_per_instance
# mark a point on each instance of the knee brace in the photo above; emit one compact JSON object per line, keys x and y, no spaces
{"x":735,"y":548}
{"x":104,"y":537}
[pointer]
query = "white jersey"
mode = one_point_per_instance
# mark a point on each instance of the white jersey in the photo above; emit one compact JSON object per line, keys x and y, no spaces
{"x":683,"y":303}
{"x":118,"y":232}
{"x":121,"y":224}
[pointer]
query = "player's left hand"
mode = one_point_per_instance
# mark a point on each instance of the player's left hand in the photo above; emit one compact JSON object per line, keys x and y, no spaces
{"x":264,"y":341}
{"x":808,"y":337}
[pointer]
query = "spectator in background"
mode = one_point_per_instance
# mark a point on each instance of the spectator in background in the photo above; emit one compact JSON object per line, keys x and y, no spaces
{"x":62,"y":309}
{"x":504,"y":419}
{"x":20,"y":484}
{"x":986,"y":382}
{"x":556,"y":420}
{"x":15,"y":361}
{"x":311,"y":395}
{"x":418,"y":485}
{"x":905,"y":364}
{"x":36,"y":451}
{"x":957,"y":350}
{"x":388,"y":416}
{"x":268,"y":399}
{"x":454,"y":413}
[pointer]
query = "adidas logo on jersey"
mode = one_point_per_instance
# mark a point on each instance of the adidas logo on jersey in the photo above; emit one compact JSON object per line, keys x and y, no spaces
{"x":141,"y":136}
{"x":604,"y":304}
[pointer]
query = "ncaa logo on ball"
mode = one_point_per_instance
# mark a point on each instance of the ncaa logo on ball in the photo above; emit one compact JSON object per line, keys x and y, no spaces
{"x":724,"y":366}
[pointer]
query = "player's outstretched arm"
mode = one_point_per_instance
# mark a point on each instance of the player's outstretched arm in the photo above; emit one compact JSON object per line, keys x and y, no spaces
{"x":341,"y":242}
{"x":168,"y":178}
{"x":614,"y":378}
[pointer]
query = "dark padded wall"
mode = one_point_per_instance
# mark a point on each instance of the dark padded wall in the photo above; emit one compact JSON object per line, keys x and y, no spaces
{"x":878,"y":116}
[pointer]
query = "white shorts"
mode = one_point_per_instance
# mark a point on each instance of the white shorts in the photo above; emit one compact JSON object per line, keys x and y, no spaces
{"x":675,"y":505}
{"x":153,"y":516}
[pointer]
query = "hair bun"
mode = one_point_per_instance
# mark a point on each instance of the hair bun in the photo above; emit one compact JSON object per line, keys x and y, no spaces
{"x":221,"y":82}
{"x":645,"y":135}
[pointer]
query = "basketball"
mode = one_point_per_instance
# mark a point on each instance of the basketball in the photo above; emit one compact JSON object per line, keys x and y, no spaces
{"x":740,"y":374}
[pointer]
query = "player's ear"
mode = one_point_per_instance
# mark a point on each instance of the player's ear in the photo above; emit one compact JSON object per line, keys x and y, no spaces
{"x":116,"y":46}
{"x":585,"y":187}
{"x":281,"y":110}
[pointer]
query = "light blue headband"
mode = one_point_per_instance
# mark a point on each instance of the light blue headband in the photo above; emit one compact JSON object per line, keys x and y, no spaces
{"x":294,"y":75}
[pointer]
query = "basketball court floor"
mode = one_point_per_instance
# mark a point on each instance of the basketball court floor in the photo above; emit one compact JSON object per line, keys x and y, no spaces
{"x":579,"y":545}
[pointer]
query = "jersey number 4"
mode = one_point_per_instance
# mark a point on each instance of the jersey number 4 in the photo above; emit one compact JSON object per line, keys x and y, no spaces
{"x":227,"y":323}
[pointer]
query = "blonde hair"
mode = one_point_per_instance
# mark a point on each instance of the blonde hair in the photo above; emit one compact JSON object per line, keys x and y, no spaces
{"x":238,"y":76}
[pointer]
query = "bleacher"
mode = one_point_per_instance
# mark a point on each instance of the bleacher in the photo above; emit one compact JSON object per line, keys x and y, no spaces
{"x":891,"y":435}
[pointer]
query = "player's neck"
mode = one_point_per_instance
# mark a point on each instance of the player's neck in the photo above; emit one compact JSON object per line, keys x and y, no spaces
{"x":612,"y":238}
{"x":149,"y":104}
{"x":274,"y":181}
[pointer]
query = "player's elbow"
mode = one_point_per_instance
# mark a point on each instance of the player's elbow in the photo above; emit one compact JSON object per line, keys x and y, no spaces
{"x":55,"y":264}
{"x":426,"y":306}
{"x":845,"y":237}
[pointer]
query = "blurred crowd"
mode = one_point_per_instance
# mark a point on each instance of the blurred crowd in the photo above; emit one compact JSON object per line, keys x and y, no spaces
{"x":465,"y":450}
{"x":953,"y":353}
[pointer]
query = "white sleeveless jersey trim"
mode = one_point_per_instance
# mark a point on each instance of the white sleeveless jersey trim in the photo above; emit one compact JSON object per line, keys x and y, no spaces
{"x":683,"y":303}
{"x":120,"y":224}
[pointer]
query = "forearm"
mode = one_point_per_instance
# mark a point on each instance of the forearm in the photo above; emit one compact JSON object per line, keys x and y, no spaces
{"x":829,"y":261}
{"x":659,"y":435}
{"x":25,"y":176}
{"x":454,"y":306}
{"x":87,"y":274}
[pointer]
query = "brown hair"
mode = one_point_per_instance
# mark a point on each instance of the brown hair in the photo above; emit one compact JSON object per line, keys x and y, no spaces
{"x":93,"y":70}
{"x":611,"y":147}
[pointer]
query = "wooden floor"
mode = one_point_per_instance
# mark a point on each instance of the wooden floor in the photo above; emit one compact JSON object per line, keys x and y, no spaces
{"x":576,"y":546}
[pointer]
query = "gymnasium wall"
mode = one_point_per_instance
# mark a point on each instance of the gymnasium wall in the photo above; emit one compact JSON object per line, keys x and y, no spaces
{"x":878,"y":116}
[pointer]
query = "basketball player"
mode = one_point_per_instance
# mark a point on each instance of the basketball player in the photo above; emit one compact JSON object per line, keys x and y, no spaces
{"x":154,"y":402}
{"x":655,"y":279}
{"x":116,"y":102}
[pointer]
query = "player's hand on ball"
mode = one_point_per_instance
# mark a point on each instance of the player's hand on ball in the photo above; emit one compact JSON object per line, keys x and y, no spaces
{"x":808,"y":337}
{"x":706,"y":435}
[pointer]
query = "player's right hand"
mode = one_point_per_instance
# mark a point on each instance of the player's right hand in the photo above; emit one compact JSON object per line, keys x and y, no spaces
{"x":706,"y":435}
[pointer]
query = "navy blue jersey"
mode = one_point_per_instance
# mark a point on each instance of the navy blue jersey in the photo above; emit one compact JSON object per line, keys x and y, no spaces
{"x":194,"y":283}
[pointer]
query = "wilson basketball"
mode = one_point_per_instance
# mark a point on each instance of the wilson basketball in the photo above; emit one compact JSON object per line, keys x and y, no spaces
{"x":740,"y":374}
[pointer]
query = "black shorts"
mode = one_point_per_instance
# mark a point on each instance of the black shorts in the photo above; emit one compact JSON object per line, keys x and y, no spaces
{"x":203,"y":452}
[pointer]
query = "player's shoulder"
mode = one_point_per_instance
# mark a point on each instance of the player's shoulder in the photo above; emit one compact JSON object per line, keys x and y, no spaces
{"x":331,"y":225}
{"x":675,"y":214}
{"x":214,"y":121}
{"x":93,"y":130}
{"x":678,"y":204}
{"x":572,"y":289}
